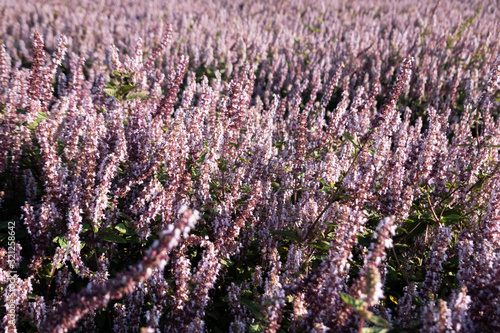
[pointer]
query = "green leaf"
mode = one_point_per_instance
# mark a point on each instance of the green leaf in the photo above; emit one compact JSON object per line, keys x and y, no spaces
{"x":311,"y":28}
{"x":126,"y":89}
{"x":285,"y":233}
{"x":332,"y":225}
{"x":111,"y":84}
{"x":350,"y":138}
{"x":142,"y":95}
{"x":356,"y":304}
{"x":364,"y":240}
{"x":246,"y":292}
{"x":240,"y":202}
{"x":123,"y":215}
{"x":275,"y":185}
{"x":254,"y":307}
{"x":227,"y":262}
{"x":368,"y":315}
{"x":320,"y":245}
{"x":111,"y":92}
{"x":202,"y":157}
{"x":374,"y":330}
{"x":451,"y":218}
{"x":418,"y":300}
{"x":45,"y":271}
{"x":134,"y":239}
{"x":256,"y":328}
{"x":247,"y":189}
{"x":113,"y":238}
{"x":63,"y":242}
{"x":41,"y":116}
{"x":121,"y":228}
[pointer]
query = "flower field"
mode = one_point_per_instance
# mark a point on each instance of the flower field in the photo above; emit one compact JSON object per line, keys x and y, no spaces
{"x":249,"y":166}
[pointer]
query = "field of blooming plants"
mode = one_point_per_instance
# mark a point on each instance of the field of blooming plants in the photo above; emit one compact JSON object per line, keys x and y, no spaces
{"x":260,"y":166}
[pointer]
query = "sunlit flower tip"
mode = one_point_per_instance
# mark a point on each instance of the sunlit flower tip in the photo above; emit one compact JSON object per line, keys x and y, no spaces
{"x":388,"y":242}
{"x":183,"y":209}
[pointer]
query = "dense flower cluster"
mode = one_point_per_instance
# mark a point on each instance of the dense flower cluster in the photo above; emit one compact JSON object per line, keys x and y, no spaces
{"x":340,"y":160}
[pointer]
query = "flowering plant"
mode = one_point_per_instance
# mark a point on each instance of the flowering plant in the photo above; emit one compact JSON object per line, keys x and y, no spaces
{"x":301,"y":166}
